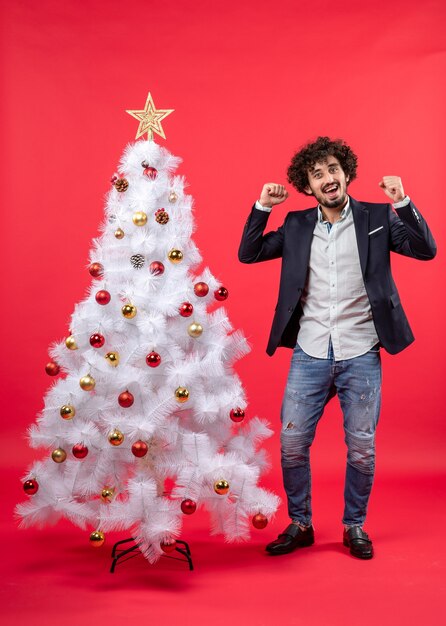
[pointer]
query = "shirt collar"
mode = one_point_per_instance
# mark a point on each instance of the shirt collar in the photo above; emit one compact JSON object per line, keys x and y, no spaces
{"x":345,"y":211}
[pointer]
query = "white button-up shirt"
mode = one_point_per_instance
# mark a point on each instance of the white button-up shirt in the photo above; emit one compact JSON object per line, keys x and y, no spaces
{"x":334,"y":301}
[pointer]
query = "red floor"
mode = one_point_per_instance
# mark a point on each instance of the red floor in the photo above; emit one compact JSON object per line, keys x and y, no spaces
{"x":53,"y":576}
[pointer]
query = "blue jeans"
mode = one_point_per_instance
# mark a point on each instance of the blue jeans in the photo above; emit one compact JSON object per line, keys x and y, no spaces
{"x":311,"y":384}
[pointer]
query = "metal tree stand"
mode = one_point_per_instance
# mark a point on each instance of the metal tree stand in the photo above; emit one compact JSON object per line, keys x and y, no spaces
{"x":120,"y":555}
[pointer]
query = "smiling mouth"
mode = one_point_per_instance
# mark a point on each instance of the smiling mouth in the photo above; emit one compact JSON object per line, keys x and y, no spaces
{"x":331,"y":190}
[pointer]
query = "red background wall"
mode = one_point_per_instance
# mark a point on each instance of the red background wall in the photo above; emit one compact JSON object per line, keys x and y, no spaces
{"x":249,"y":82}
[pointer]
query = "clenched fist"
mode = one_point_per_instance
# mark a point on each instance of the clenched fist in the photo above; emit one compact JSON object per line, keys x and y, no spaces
{"x":393,"y":187}
{"x":272,"y":194}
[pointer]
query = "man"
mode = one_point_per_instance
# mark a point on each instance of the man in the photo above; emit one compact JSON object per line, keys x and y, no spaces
{"x":337,"y":305}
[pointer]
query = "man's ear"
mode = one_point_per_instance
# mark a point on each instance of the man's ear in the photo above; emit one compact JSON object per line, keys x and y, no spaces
{"x":308,"y":191}
{"x":347,"y":179}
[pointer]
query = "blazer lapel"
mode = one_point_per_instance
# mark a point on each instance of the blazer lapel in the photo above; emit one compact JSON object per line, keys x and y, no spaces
{"x":301,"y":228}
{"x":307,"y":233}
{"x":306,"y":229}
{"x":361,"y":222}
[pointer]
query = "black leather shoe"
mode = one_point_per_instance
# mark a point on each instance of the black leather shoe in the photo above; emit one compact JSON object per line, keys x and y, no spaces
{"x":359,"y":543}
{"x":292,"y":537}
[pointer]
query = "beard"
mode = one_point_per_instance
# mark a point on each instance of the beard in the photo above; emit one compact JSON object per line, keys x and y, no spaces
{"x":335,"y":203}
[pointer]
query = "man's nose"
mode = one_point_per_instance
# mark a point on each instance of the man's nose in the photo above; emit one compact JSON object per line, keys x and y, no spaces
{"x":328,"y":177}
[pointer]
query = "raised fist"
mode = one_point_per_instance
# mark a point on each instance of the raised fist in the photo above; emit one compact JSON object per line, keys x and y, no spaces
{"x":393,"y":187}
{"x":272,"y":194}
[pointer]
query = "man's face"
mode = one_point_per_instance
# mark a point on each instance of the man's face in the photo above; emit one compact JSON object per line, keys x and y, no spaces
{"x":328,"y":183}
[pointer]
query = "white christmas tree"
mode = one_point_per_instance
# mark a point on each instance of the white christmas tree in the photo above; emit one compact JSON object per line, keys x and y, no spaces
{"x":147,"y":389}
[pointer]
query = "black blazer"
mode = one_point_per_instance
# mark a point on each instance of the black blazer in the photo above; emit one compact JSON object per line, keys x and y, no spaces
{"x":405,"y":232}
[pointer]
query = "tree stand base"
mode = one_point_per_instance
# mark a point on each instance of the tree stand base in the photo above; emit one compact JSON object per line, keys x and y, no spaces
{"x":120,"y":554}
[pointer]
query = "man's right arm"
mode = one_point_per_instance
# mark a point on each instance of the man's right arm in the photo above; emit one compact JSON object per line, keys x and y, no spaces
{"x":255,"y":246}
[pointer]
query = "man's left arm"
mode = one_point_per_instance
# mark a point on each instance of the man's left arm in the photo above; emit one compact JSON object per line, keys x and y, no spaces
{"x":409,"y":233}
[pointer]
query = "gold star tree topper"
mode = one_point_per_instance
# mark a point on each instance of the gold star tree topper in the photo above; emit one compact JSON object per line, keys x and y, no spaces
{"x":150,"y":119}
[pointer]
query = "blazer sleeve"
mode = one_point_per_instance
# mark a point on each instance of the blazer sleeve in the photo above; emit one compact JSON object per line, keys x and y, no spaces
{"x":255,"y":246}
{"x":409,"y":233}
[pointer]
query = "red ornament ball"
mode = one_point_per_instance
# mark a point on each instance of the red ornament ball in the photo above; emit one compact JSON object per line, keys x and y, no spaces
{"x":31,"y":486}
{"x":96,"y":270}
{"x":259,"y":521}
{"x":52,"y":368}
{"x":188,"y":506}
{"x":139,"y":449}
{"x":153,"y":359}
{"x":156,"y":268}
{"x":126,"y":399}
{"x":186,"y":309}
{"x":201,"y":289}
{"x":97,"y":340}
{"x":103,"y":297}
{"x":221,"y":294}
{"x":168,"y":546}
{"x":237,"y":415}
{"x":150,"y":172}
{"x":79,"y":451}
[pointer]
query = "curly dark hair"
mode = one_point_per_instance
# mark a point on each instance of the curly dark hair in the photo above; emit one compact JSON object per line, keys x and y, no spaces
{"x":316,"y":151}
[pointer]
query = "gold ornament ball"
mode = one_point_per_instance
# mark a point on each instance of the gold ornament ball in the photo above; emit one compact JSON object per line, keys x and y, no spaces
{"x":70,"y":342}
{"x":87,"y":382}
{"x":182,"y":394}
{"x":173,"y":197}
{"x":195,"y":329}
{"x":97,"y":538}
{"x":67,"y":411}
{"x":221,"y":487}
{"x":58,"y":455}
{"x":112,"y":358}
{"x":119,"y":233}
{"x":129,"y":311}
{"x":107,"y":494}
{"x":139,"y":218}
{"x":175,"y":256}
{"x":116,"y":437}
